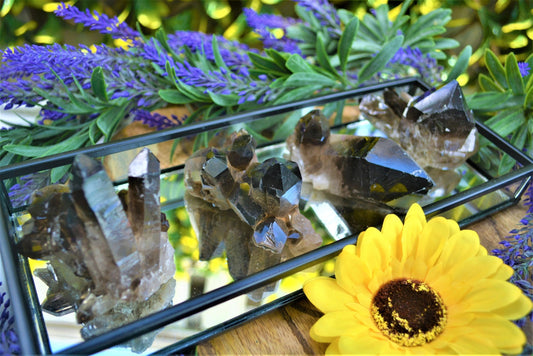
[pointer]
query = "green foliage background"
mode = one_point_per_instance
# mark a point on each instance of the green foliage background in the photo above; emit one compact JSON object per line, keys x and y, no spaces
{"x":503,"y":26}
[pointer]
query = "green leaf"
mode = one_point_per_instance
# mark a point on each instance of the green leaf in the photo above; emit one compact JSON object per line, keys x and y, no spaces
{"x":297,"y":64}
{"x":174,"y":96}
{"x":507,"y":121}
{"x":94,"y":133}
{"x":529,"y":84}
{"x":491,"y":101}
{"x":300,"y":33}
{"x":193,"y":92}
{"x":98,"y":84}
{"x":506,"y":164}
{"x":445,"y":43}
{"x":487,"y":84}
{"x":64,"y":105}
{"x":109,"y":119}
{"x":72,"y":143}
{"x":495,"y":68}
{"x":461,"y":64}
{"x":345,"y":15}
{"x":84,"y":107}
{"x":380,"y":60}
{"x":397,"y":25}
{"x":224,"y":100}
{"x":530,"y":128}
{"x":513,"y":74}
{"x":309,"y":78}
{"x":382,"y":18}
{"x":58,"y":172}
{"x":528,"y":101}
{"x":400,"y":19}
{"x":529,"y":60}
{"x":278,"y":57}
{"x":216,"y":53}
{"x":322,"y":56}
{"x":304,"y":91}
{"x":420,"y":36}
{"x":346,"y":41}
{"x":277,"y":83}
{"x":365,"y":46}
{"x":436,"y":19}
{"x":369,"y":30}
{"x":263,"y":63}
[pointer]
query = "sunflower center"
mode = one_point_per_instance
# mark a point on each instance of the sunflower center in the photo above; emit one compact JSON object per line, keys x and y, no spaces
{"x":409,"y":312}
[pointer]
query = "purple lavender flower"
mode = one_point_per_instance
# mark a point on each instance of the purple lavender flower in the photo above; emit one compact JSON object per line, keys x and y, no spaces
{"x":233,"y":53}
{"x":524,"y":68}
{"x":97,"y":22}
{"x":325,"y":13}
{"x":41,"y":66}
{"x":9,"y":344}
{"x":424,"y":64}
{"x":157,"y":120}
{"x":263,"y":24}
{"x":517,"y":252}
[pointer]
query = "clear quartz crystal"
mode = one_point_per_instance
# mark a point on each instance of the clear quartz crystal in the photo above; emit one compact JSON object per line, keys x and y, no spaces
{"x":109,"y":256}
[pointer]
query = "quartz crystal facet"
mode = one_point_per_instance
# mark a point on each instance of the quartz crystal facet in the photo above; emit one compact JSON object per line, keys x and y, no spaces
{"x":250,"y":208}
{"x":354,"y":166}
{"x":437,"y":129}
{"x":109,"y":258}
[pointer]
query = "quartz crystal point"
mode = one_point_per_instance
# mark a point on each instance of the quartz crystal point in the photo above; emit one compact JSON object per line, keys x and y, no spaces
{"x":248,"y":207}
{"x":116,"y":261}
{"x":437,"y":129}
{"x":354,"y":166}
{"x":109,"y":258}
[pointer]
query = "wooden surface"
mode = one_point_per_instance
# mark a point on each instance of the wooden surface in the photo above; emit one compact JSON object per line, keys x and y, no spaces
{"x":286,"y":330}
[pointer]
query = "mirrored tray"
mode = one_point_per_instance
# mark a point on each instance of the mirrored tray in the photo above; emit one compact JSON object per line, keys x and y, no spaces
{"x":207,"y":300}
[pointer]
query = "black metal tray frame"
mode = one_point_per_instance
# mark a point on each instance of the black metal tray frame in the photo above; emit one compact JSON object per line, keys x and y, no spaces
{"x":28,"y":316}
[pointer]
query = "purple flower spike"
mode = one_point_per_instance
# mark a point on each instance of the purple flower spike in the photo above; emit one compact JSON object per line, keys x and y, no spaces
{"x":97,"y":22}
{"x":524,"y":69}
{"x":517,"y":252}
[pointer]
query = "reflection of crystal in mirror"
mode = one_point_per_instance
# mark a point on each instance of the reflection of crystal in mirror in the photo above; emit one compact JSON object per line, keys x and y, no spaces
{"x":251,"y":208}
{"x":109,"y":258}
{"x":437,"y":128}
{"x":354,"y":166}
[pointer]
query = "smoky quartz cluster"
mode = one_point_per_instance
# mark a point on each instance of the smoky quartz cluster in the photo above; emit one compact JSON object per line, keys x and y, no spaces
{"x":248,"y":208}
{"x":109,"y":258}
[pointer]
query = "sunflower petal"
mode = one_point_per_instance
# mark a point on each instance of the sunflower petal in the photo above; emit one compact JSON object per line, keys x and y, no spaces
{"x":374,"y":249}
{"x":333,"y":348}
{"x":392,"y":231}
{"x":505,"y":335}
{"x":436,"y":232}
{"x":362,"y":314}
{"x":352,"y":272}
{"x":473,"y":269}
{"x":416,"y":212}
{"x":459,"y":247}
{"x":362,"y":344}
{"x":515,"y":310}
{"x":472,"y":344}
{"x":410,"y":236}
{"x":489,"y":294}
{"x":325,"y":294}
{"x":503,"y":273}
{"x":335,"y":324}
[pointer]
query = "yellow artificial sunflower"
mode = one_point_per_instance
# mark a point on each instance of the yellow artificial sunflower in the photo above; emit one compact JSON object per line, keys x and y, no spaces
{"x":418,"y":288}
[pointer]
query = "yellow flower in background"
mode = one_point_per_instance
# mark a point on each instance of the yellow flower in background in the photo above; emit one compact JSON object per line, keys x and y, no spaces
{"x":418,"y":288}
